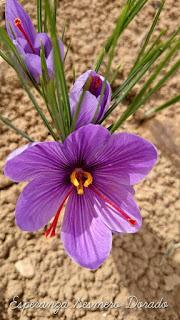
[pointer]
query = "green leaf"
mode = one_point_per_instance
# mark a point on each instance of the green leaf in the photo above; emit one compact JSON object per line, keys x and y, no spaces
{"x":163,"y":106}
{"x":39,"y":15}
{"x":168,"y":74}
{"x":6,"y":58}
{"x":150,"y":32}
{"x":8,"y":123}
{"x":78,"y":109}
{"x":49,"y":93}
{"x":38,"y":109}
{"x":152,"y":55}
{"x":61,"y":84}
{"x":133,"y":9}
{"x":133,"y":108}
{"x":115,"y":74}
{"x":138,"y":100}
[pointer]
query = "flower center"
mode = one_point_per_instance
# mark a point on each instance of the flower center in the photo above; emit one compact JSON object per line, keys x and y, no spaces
{"x":19,"y":25}
{"x":94,"y":85}
{"x":81,"y":179}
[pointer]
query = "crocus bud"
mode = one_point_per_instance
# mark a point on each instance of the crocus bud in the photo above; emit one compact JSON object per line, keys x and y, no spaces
{"x":96,"y":98}
{"x":27,"y":41}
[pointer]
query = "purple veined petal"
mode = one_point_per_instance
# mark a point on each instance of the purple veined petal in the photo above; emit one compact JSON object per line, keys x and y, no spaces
{"x":133,"y":154}
{"x":22,"y":46}
{"x":79,"y":83}
{"x":34,"y":160}
{"x":124,"y":157}
{"x":93,"y":93}
{"x":87,"y":111}
{"x":42,"y":39}
{"x":107,"y":174}
{"x":33,"y":63}
{"x":83,"y":145}
{"x":49,"y":60}
{"x":86,"y":239}
{"x":120,"y":196}
{"x":14,"y":10}
{"x":39,"y":202}
{"x":19,"y":150}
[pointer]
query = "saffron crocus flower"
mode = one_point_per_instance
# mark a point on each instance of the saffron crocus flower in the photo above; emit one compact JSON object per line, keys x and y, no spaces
{"x":94,"y":172}
{"x":28,"y":42}
{"x":94,"y":104}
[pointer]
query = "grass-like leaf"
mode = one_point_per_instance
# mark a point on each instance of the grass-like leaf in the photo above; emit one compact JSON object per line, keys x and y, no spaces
{"x":163,"y":106}
{"x":135,"y":106}
{"x":39,"y":16}
{"x":150,"y":32}
{"x":8,"y":123}
{"x":61,"y":84}
{"x":133,"y":9}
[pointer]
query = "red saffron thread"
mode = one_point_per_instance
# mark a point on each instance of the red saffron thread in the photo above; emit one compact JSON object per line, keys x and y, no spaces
{"x":52,"y":228}
{"x":124,"y":215}
{"x":18,"y":24}
{"x":97,"y":82}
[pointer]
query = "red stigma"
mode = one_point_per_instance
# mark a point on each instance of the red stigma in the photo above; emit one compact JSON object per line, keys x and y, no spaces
{"x":113,"y":205}
{"x":18,"y":24}
{"x":51,"y":231}
{"x":97,"y":82}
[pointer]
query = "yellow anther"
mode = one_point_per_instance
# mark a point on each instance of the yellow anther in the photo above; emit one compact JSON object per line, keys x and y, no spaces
{"x":88,"y":83}
{"x":80,"y":190}
{"x":81,"y":179}
{"x":89,"y":179}
{"x":73,"y":179}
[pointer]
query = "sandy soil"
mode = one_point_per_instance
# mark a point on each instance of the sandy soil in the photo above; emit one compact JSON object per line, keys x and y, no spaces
{"x":34,"y":268}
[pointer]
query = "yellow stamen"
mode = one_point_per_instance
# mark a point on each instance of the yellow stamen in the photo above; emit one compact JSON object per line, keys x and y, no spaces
{"x":81,"y":179}
{"x":73,"y":179}
{"x":89,"y":179}
{"x":80,"y":190}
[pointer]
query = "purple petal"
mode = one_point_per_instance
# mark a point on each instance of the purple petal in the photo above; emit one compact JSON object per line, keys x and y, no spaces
{"x":42,"y":39}
{"x":39,"y":202}
{"x":83,"y":145}
{"x":86,"y":239}
{"x":91,"y":99}
{"x":34,"y":160}
{"x":79,"y":83}
{"x":124,"y":157}
{"x":121,"y":196}
{"x":87,"y":110}
{"x":133,"y":155}
{"x":49,"y":61}
{"x":14,"y":10}
{"x":33,"y":63}
{"x":22,"y":45}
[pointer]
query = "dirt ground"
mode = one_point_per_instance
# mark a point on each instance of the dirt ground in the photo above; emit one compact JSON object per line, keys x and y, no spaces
{"x":37,"y":269}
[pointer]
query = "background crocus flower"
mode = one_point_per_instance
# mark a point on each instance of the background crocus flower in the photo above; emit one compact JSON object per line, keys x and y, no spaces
{"x":28,"y":42}
{"x":95,"y":176}
{"x":92,"y":84}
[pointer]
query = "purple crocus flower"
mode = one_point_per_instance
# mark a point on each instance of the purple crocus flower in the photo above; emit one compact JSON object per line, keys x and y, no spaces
{"x":93,"y":106}
{"x":28,"y":42}
{"x":94,"y":172}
